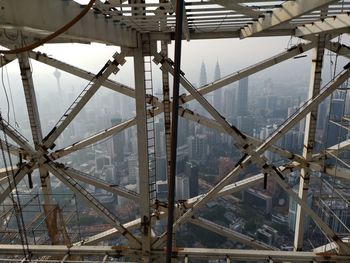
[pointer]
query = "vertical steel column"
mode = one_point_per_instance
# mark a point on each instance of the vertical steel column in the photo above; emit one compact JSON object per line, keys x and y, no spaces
{"x":34,"y":119}
{"x":166,"y":105}
{"x":141,"y":123}
{"x":309,"y":139}
{"x":175,"y":116}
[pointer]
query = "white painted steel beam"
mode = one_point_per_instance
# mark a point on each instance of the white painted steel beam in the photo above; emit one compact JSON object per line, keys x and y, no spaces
{"x":23,"y":171}
{"x":304,"y":110}
{"x":16,"y":137}
{"x":97,"y":182}
{"x":338,"y":23}
{"x":14,"y":150}
{"x":34,"y":120}
{"x":300,"y":114}
{"x":235,"y":6}
{"x":91,"y":201}
{"x":45,"y":17}
{"x":6,"y":59}
{"x":93,"y":139}
{"x":166,"y":108}
{"x":288,"y":11}
{"x":108,"y":234}
{"x":4,"y":171}
{"x":343,"y":248}
{"x":203,"y":90}
{"x":113,"y":232}
{"x":290,"y":53}
{"x":340,"y":49}
{"x":84,"y":97}
{"x":231,"y":234}
{"x":257,"y":255}
{"x":142,"y":150}
{"x":330,"y":247}
{"x":178,"y":253}
{"x":111,"y":84}
{"x":309,"y":138}
{"x":210,"y":123}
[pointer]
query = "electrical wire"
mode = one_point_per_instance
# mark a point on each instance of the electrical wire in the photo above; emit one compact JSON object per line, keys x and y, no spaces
{"x":11,"y":98}
{"x":53,"y":35}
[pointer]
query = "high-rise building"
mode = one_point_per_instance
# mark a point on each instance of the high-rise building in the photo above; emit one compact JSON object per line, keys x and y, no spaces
{"x":203,"y":80}
{"x":118,"y":142}
{"x":191,"y":171}
{"x":203,"y":75}
{"x":182,"y":186}
{"x":242,"y":97}
{"x":218,"y":99}
{"x":198,"y":147}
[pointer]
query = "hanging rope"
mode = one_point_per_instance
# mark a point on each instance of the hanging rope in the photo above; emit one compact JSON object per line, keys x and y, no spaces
{"x":53,"y":35}
{"x":16,"y":203}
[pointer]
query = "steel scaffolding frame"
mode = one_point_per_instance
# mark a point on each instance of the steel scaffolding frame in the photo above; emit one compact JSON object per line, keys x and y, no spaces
{"x":137,"y":27}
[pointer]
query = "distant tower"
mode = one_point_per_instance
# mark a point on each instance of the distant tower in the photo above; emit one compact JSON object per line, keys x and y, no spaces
{"x":57,"y":75}
{"x":218,"y":93}
{"x":203,"y":80}
{"x":242,"y":97}
{"x":203,"y":75}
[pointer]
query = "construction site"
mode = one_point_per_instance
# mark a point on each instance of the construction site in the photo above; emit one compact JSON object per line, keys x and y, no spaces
{"x":112,"y":151}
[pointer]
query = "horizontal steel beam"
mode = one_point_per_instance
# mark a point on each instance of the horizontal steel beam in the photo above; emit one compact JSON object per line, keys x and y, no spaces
{"x":325,"y":26}
{"x":286,"y":12}
{"x":45,"y":17}
{"x":231,"y":234}
{"x":191,"y":253}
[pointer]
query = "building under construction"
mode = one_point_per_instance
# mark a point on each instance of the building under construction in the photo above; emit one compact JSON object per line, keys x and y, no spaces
{"x":184,"y":172}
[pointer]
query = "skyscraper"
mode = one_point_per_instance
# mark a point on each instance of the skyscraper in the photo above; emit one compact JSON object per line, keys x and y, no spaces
{"x":203,"y":80}
{"x":191,"y":171}
{"x":203,"y":75}
{"x":218,"y":93}
{"x":242,"y":97}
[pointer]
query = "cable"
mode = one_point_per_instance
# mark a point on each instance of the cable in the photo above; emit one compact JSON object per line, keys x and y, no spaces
{"x":11,"y":97}
{"x":53,"y":35}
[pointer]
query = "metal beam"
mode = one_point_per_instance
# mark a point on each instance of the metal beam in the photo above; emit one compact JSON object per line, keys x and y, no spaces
{"x":23,"y":171}
{"x":179,"y":253}
{"x":286,"y":12}
{"x":338,"y":23}
{"x":93,"y":139}
{"x":86,"y":178}
{"x":231,"y":234}
{"x":14,"y":150}
{"x":83,"y":98}
{"x":239,"y":8}
{"x":343,"y":247}
{"x":309,"y":139}
{"x":340,"y":49}
{"x":6,"y":59}
{"x":16,"y":137}
{"x":213,"y":124}
{"x":300,"y":114}
{"x":34,"y":120}
{"x":142,"y":150}
{"x":274,"y":60}
{"x":111,"y":84}
{"x":304,"y":110}
{"x":90,"y":200}
{"x":55,"y":14}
